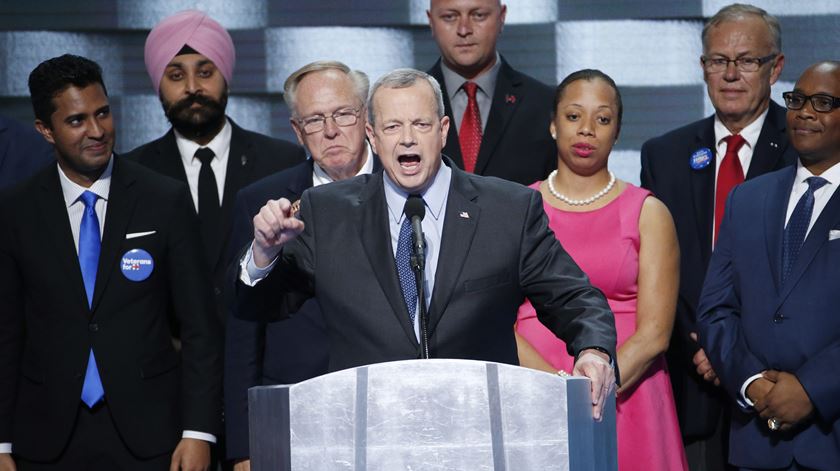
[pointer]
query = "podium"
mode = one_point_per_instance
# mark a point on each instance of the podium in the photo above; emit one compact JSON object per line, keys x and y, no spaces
{"x":431,"y":415}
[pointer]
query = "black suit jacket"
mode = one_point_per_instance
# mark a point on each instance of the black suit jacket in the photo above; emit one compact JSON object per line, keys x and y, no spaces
{"x":516,"y":144}
{"x":258,"y":353}
{"x":690,"y":196}
{"x":22,"y":152}
{"x":252,"y":156}
{"x":496,"y":249}
{"x":47,"y":328}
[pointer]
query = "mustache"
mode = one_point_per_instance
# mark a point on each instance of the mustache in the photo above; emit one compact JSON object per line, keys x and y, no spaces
{"x":186,"y":103}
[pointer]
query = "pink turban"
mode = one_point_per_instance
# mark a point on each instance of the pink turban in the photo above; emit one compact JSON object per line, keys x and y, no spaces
{"x":191,"y":28}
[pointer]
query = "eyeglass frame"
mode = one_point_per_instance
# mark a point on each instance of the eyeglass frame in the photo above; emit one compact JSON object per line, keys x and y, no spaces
{"x":835,"y":101}
{"x":760,"y":61}
{"x":355,"y":112}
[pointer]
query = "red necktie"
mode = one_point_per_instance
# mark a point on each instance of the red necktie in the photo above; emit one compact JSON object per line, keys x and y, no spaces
{"x":729,"y":175}
{"x":469,"y":135}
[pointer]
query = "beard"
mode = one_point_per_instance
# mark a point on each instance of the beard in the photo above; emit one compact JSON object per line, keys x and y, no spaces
{"x":205,"y":120}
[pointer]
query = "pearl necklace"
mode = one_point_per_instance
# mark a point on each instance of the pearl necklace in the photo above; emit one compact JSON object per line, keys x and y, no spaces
{"x":583,"y":202}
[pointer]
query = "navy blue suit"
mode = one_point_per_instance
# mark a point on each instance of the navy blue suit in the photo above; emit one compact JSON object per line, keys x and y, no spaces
{"x":22,"y":152}
{"x":749,"y":321}
{"x":258,"y":353}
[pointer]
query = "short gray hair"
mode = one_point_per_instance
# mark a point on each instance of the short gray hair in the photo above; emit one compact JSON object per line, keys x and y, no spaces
{"x":739,"y":11}
{"x":359,"y":79}
{"x":404,"y":78}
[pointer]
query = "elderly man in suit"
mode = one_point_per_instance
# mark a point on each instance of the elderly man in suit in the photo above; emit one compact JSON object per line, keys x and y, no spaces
{"x":100,"y":254}
{"x":768,"y":311}
{"x":190,"y":59}
{"x":328,"y":104}
{"x":499,"y":116}
{"x":487,"y":248}
{"x":692,"y":169}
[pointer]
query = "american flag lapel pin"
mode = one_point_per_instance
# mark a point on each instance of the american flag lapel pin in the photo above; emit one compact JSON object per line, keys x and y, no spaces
{"x":510,"y":99}
{"x":244,"y":160}
{"x":464,"y":214}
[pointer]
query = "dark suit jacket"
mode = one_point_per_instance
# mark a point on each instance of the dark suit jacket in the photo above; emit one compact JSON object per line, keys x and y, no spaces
{"x":690,"y":196}
{"x":258,"y":353}
{"x":496,"y":249}
{"x":750,"y":321}
{"x":47,"y":328}
{"x":516,"y":144}
{"x":252,"y":156}
{"x":22,"y":152}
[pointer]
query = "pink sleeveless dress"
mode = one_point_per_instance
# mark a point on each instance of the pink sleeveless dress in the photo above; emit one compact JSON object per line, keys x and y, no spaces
{"x":605,"y":244}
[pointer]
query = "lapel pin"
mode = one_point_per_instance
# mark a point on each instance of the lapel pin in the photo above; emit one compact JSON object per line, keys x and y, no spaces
{"x":701,"y":158}
{"x":244,"y":160}
{"x":773,"y":144}
{"x":510,"y":99}
{"x":464,"y":215}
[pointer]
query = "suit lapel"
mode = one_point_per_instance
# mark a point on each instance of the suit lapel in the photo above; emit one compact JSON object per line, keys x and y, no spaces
{"x":453,"y":147}
{"x":121,"y":202}
{"x":240,"y":164}
{"x":53,"y":213}
{"x":506,"y":100}
{"x":771,"y":144}
{"x":775,"y":208}
{"x":456,"y":239}
{"x":817,"y":237}
{"x":167,"y":158}
{"x":376,"y":239}
{"x":703,"y":187}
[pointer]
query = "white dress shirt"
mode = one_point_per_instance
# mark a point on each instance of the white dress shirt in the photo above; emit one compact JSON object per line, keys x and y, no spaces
{"x":220,"y":145}
{"x":320,"y":176}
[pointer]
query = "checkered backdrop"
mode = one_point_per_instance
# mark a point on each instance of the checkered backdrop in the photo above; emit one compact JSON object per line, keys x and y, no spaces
{"x":650,"y":47}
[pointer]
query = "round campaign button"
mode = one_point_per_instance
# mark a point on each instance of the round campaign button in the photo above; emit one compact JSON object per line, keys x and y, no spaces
{"x":701,"y":158}
{"x":137,"y":264}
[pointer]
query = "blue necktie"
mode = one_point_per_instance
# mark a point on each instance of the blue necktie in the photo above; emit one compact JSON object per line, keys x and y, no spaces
{"x":407,"y":279}
{"x":797,"y":226}
{"x":92,"y":391}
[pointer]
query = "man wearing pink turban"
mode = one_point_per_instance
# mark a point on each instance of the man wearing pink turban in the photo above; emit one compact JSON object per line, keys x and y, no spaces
{"x":190,"y":59}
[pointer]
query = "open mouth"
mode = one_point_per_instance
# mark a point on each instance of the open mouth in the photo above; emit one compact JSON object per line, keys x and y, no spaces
{"x":409,"y":161}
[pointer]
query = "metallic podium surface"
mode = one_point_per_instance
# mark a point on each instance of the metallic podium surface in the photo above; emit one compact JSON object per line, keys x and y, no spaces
{"x":431,"y":415}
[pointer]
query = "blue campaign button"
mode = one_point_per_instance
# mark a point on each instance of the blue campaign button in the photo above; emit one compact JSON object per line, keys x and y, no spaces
{"x":701,"y":158}
{"x":137,"y":264}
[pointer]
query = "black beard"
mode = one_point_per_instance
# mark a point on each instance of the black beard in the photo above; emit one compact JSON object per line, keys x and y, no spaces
{"x":206,"y":120}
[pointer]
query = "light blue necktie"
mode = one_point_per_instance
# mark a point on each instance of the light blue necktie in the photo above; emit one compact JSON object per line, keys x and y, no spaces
{"x":408,"y":281}
{"x":92,"y":391}
{"x":797,"y":227}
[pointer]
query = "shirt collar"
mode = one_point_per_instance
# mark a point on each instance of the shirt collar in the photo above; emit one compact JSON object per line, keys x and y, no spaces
{"x":220,"y":145}
{"x":72,"y":190}
{"x":750,"y":132}
{"x":802,"y":173}
{"x":486,"y":82}
{"x":320,"y":176}
{"x":434,"y":196}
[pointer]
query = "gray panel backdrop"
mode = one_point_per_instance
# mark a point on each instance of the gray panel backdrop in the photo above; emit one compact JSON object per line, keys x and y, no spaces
{"x":650,"y":47}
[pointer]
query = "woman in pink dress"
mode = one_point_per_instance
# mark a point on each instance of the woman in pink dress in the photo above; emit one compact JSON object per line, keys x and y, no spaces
{"x":624,"y":239}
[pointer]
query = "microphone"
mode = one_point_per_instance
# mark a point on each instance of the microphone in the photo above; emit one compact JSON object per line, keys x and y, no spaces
{"x":415,"y":210}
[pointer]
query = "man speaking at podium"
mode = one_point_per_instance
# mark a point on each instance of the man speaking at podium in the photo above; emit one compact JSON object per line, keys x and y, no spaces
{"x":487,"y":247}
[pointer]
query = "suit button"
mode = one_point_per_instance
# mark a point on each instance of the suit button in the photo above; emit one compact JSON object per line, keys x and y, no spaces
{"x":218,"y":291}
{"x":93,"y":327}
{"x":778,"y":318}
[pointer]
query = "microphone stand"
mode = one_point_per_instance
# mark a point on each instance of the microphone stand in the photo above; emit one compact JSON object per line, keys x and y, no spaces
{"x":418,"y":262}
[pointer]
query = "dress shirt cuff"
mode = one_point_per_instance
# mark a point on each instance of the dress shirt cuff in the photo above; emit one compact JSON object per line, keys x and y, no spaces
{"x":249,"y":273}
{"x":199,"y":436}
{"x":5,"y":447}
{"x":744,"y":401}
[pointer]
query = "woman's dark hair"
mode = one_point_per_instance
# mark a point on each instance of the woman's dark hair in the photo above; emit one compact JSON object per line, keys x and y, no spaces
{"x":588,"y":75}
{"x":53,"y":76}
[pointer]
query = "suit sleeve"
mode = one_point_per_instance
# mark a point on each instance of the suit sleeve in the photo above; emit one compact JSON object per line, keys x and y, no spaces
{"x":560,"y":292}
{"x":290,"y":283}
{"x":11,"y":325}
{"x":818,"y":376}
{"x":244,"y":346}
{"x":718,"y":314}
{"x":646,"y":175}
{"x":193,"y":303}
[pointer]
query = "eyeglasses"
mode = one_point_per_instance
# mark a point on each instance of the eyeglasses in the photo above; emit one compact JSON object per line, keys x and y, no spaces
{"x":820,"y":102}
{"x":714,"y":65}
{"x":342,"y":117}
